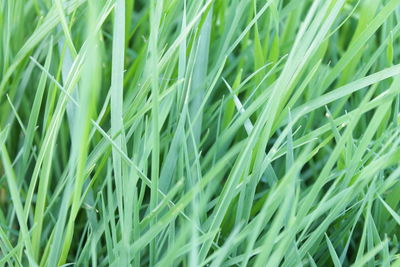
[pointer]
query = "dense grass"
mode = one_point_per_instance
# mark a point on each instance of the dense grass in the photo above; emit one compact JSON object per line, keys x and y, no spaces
{"x":199,"y":133}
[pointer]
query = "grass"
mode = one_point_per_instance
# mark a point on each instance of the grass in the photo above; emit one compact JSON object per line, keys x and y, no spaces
{"x":200,"y":133}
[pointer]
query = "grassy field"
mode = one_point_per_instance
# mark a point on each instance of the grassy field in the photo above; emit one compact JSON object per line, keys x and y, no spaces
{"x":199,"y":133}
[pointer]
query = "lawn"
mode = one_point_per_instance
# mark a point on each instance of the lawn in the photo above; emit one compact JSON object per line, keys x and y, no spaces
{"x":199,"y":133}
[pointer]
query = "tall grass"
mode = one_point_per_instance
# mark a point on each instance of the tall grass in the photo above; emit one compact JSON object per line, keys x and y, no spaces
{"x":199,"y":133}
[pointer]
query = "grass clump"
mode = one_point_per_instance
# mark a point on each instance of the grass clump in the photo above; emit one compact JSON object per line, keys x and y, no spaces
{"x":199,"y":133}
